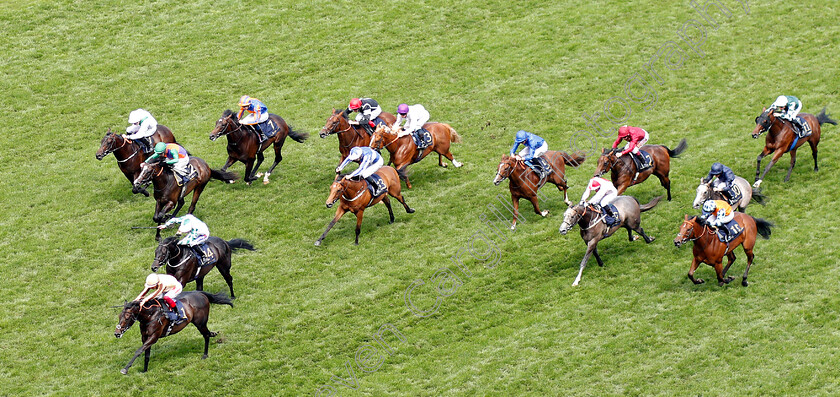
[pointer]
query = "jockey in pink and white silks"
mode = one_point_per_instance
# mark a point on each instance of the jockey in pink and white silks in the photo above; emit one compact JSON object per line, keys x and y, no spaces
{"x":162,"y":284}
{"x":415,"y":116}
{"x":142,"y":127}
{"x":605,"y":194}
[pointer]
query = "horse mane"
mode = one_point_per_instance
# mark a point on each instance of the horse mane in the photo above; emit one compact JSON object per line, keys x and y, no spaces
{"x":227,"y":113}
{"x":168,"y":240}
{"x":344,"y":113}
{"x":131,"y":304}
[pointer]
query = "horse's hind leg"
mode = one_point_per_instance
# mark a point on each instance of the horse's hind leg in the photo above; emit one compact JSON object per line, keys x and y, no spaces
{"x":202,"y":327}
{"x":536,"y":205}
{"x":731,"y":259}
{"x":813,"y":152}
{"x":277,"y":159}
{"x":387,"y":202}
{"x":666,"y":183}
{"x":598,"y":257}
{"x":647,"y":238}
{"x":224,"y":269}
{"x":451,"y":158}
{"x":750,"y":257}
{"x":199,"y":283}
{"x":792,"y":163}
{"x":398,"y":195}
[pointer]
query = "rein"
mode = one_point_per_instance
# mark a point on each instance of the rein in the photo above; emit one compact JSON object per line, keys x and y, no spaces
{"x":361,"y":191}
{"x":228,"y":131}
{"x":125,"y":141}
{"x":592,"y":222}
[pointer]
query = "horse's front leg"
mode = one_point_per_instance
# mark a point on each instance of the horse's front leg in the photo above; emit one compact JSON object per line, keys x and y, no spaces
{"x":792,"y":163}
{"x":730,"y":259}
{"x":694,"y":263}
{"x":228,"y":163}
{"x":761,"y":155}
{"x":776,"y":156}
{"x":590,"y":248}
{"x":339,"y":212}
{"x":249,"y":167}
{"x":260,"y":159}
{"x":143,"y":348}
{"x":359,"y":216}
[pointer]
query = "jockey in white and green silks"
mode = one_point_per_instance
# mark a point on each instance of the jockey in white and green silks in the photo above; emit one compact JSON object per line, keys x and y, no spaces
{"x":787,"y":107}
{"x":196,"y":230}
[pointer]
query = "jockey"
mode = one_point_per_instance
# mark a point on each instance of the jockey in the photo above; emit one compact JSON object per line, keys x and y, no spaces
{"x":369,"y":111}
{"x":725,"y":179}
{"x":369,"y":162}
{"x":717,"y":213}
{"x":196,"y":232}
{"x":415,"y":117}
{"x":605,"y":194}
{"x":787,"y":107}
{"x":166,"y":285}
{"x":636,"y":137}
{"x":534,"y":148}
{"x":175,"y":156}
{"x":142,"y":127}
{"x":258,"y":114}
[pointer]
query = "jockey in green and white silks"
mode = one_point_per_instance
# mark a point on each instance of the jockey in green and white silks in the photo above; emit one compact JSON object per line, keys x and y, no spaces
{"x":787,"y":107}
{"x":196,"y":230}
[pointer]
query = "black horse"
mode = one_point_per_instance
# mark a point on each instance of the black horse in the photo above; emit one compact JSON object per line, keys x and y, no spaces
{"x":155,"y":325}
{"x":182,"y":263}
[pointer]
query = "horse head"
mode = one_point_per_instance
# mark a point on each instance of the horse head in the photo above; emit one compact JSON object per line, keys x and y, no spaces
{"x":336,"y":190}
{"x":333,"y":123}
{"x":704,"y":191}
{"x":377,"y":141}
{"x":763,"y":123}
{"x":571,"y":217}
{"x":108,"y":145}
{"x":163,"y":253}
{"x":686,"y":231}
{"x":225,"y":125}
{"x":606,"y":162}
{"x":146,"y":172}
{"x":127,"y":318}
{"x":506,"y":166}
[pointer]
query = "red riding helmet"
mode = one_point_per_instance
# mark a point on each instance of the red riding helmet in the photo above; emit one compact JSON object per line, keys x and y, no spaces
{"x":596,"y":184}
{"x":355,"y":104}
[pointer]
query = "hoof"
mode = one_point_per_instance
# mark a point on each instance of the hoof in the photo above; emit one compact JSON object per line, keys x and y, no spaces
{"x":258,"y":175}
{"x":444,"y":165}
{"x":124,"y":371}
{"x":635,"y":238}
{"x":651,"y":240}
{"x":318,"y":243}
{"x":544,"y":213}
{"x":699,"y":281}
{"x":204,"y":357}
{"x":265,"y":182}
{"x":513,"y":227}
{"x":248,"y":183}
{"x":744,"y":283}
{"x":457,"y":164}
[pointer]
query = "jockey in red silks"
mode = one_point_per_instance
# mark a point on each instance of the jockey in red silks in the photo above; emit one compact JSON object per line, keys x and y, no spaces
{"x":637,"y":138}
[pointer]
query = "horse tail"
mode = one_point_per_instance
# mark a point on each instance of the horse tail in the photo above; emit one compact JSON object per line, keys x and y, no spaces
{"x":453,"y":135}
{"x":239,"y":243}
{"x":759,"y":198}
{"x":575,"y":159}
{"x":298,"y":136}
{"x":823,"y":118}
{"x":763,"y":226}
{"x":678,"y":150}
{"x":220,"y":298}
{"x":651,"y":204}
{"x":226,"y":176}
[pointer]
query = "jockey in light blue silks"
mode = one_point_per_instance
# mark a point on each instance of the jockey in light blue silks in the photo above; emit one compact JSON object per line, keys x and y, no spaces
{"x":535,"y":147}
{"x":258,"y":114}
{"x":787,"y":107}
{"x":196,"y":233}
{"x":369,"y":162}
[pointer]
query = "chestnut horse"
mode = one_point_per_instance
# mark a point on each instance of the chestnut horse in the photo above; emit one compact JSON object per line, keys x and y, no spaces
{"x":244,"y":145}
{"x":355,"y":198}
{"x":706,"y":192}
{"x":624,"y":172}
{"x":593,"y":229}
{"x":404,"y":151}
{"x":350,"y":135}
{"x":525,"y":183}
{"x":183,"y":264}
{"x":128,"y":153}
{"x":155,"y":325}
{"x":780,"y":139}
{"x":710,"y":250}
{"x":169,"y":195}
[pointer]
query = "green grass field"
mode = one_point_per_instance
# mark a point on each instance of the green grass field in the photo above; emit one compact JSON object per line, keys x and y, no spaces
{"x":305,"y":316}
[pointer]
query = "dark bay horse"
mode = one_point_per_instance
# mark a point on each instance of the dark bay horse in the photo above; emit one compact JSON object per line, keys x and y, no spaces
{"x":154,"y":323}
{"x":524,"y":182}
{"x":593,"y":230}
{"x":706,"y":192}
{"x":244,"y":145}
{"x":349,"y":135}
{"x":404,"y":151}
{"x":623,"y":169}
{"x":129,"y":154}
{"x":182,"y":264}
{"x":710,"y":250}
{"x":169,"y":195}
{"x":355,"y":198}
{"x":780,"y":139}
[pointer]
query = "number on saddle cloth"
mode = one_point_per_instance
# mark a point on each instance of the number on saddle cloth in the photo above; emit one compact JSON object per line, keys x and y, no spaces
{"x":733,"y":194}
{"x":268,"y":128}
{"x":732,"y":230}
{"x":643,"y":160}
{"x":376,"y":185}
{"x":801,"y":127}
{"x":422,"y":138}
{"x":204,"y":254}
{"x":540,"y":166}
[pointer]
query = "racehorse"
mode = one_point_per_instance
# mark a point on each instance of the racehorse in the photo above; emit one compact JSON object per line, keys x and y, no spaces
{"x":524,"y":182}
{"x":705,"y":192}
{"x":404,"y":151}
{"x":593,"y":230}
{"x":155,"y":325}
{"x":625,"y":174}
{"x":169,"y":195}
{"x":244,"y":145}
{"x":781,"y":139}
{"x":710,"y":250}
{"x":355,"y":198}
{"x":350,"y":135}
{"x":183,"y":265}
{"x":128,"y":153}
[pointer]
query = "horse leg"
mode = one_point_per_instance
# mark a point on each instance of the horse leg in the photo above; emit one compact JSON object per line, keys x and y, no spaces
{"x":666,"y":183}
{"x":278,"y":157}
{"x":792,"y":163}
{"x":440,"y":161}
{"x":515,"y":201}
{"x":339,"y":212}
{"x":451,"y":158}
{"x":199,"y":283}
{"x":147,"y":344}
{"x":397,"y":195}
{"x":228,"y":163}
{"x":205,"y":332}
{"x":730,"y":259}
{"x":260,"y":159}
{"x":813,"y":152}
{"x":403,"y":172}
{"x":387,"y":202}
{"x":719,"y":273}
{"x":224,"y":269}
{"x":196,"y":194}
{"x":750,"y":257}
{"x":249,"y":166}
{"x":359,"y":216}
{"x":776,"y":156}
{"x":598,"y":257}
{"x":647,"y":238}
{"x":146,"y":359}
{"x":590,"y":248}
{"x":565,"y":195}
{"x":694,"y":264}
{"x":536,"y":205}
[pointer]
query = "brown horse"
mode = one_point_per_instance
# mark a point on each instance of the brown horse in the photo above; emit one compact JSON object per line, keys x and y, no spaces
{"x":404,"y":151}
{"x":710,"y":250}
{"x":625,"y":174}
{"x":355,"y":198}
{"x":525,"y":183}
{"x":128,"y":153}
{"x":349,"y":135}
{"x":593,"y":230}
{"x":183,"y":264}
{"x":169,"y":195}
{"x":155,"y":325}
{"x":244,"y":145}
{"x":781,"y":139}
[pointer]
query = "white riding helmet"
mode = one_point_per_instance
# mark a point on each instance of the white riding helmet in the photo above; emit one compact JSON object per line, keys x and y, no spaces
{"x":152,"y":280}
{"x":781,"y":102}
{"x":709,"y":206}
{"x":137,"y":116}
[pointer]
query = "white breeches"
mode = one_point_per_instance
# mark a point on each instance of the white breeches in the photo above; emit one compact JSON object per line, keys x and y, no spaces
{"x":181,"y":166}
{"x":371,"y":169}
{"x":251,"y":119}
{"x":537,"y":153}
{"x":174,"y":291}
{"x":715,"y":221}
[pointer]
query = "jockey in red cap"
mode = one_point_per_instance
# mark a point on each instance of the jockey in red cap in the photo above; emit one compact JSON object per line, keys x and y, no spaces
{"x":606,"y":194}
{"x":637,"y":138}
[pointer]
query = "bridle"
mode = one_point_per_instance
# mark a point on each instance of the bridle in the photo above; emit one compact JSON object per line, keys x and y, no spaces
{"x":228,"y":130}
{"x":690,"y":232}
{"x":609,"y":163}
{"x":168,"y":257}
{"x":125,"y":141}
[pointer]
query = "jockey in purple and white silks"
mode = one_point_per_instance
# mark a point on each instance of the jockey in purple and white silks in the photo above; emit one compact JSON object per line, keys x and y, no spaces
{"x":415,"y":116}
{"x":605,"y":194}
{"x":369,"y":162}
{"x":142,"y":127}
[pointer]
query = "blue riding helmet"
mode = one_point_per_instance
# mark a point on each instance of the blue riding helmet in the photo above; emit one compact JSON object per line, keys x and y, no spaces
{"x":717,"y":168}
{"x":521,"y":135}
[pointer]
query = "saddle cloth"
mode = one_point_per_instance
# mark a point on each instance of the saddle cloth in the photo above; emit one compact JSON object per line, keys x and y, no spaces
{"x":192,"y":173}
{"x":268,"y":128}
{"x":422,"y":138}
{"x":802,"y":128}
{"x":376,"y":185}
{"x":734,"y":231}
{"x":734,"y":194}
{"x":540,"y":166}
{"x":645,"y":162}
{"x":204,"y":254}
{"x":617,"y":217}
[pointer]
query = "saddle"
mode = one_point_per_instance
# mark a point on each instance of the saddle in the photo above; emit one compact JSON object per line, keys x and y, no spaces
{"x":204,"y":254}
{"x":733,"y":230}
{"x":177,"y":316}
{"x":377,"y":121}
{"x":733,"y":195}
{"x":192,"y":173}
{"x":643,"y":160}
{"x":540,"y":166}
{"x":422,"y":138}
{"x":802,"y":130}
{"x":376,"y":185}
{"x":616,"y":219}
{"x":147,"y":145}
